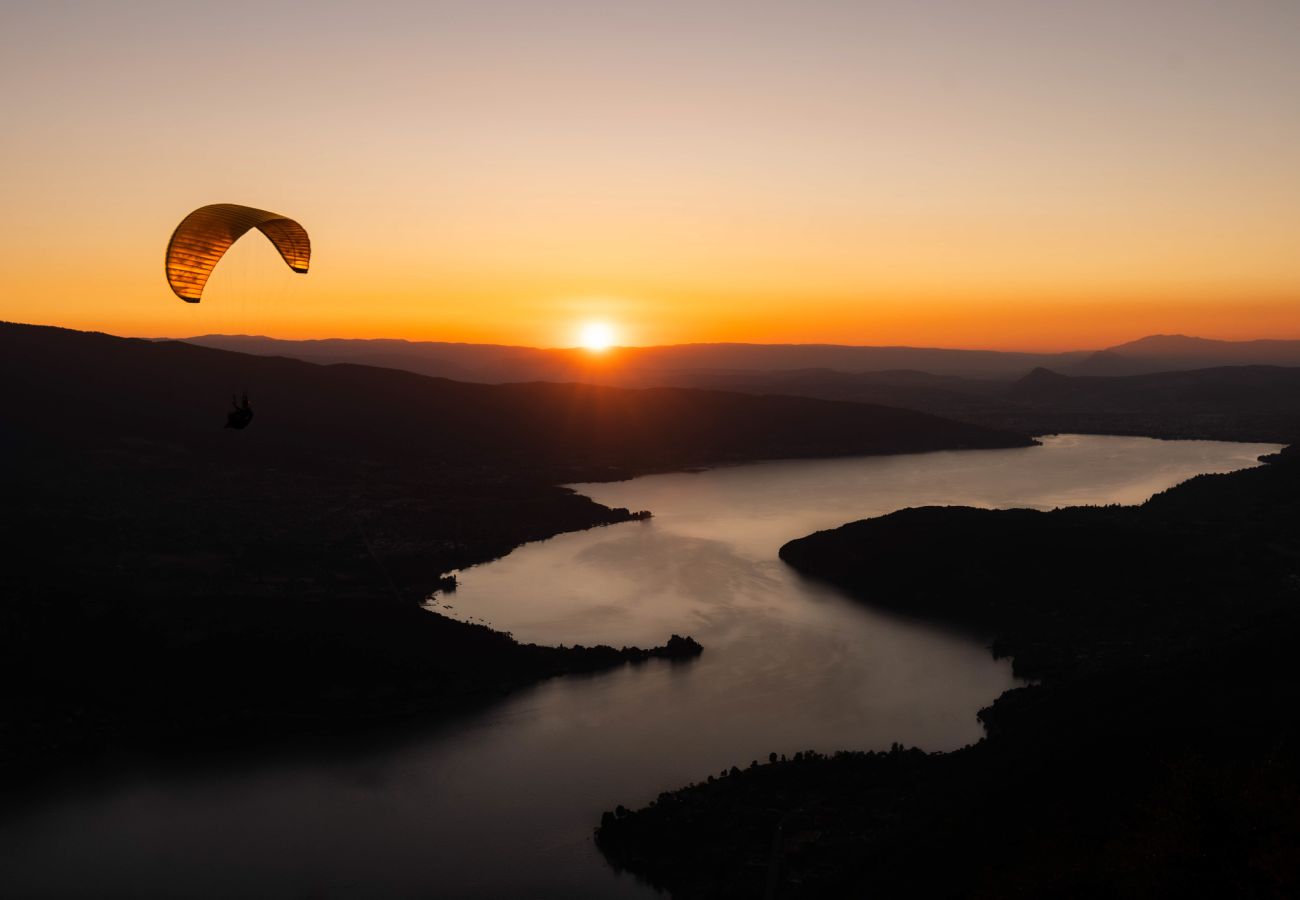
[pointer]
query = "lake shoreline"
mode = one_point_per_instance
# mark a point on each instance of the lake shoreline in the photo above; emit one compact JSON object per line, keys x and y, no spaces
{"x":790,"y":664}
{"x":288,"y":731}
{"x":1119,"y":710}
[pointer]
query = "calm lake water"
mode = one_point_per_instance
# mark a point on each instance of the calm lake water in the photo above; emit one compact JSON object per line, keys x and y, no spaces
{"x":502,"y":803}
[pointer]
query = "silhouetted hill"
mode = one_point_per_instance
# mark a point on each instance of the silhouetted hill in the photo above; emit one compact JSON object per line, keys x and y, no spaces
{"x":1231,"y":402}
{"x":1043,"y":385}
{"x":1176,"y":352}
{"x":1204,"y":390}
{"x":1245,"y":403}
{"x":1108,"y":362}
{"x":1159,"y":757}
{"x":1178,"y":346}
{"x":901,"y":387}
{"x":166,"y":578}
{"x":1248,"y":403}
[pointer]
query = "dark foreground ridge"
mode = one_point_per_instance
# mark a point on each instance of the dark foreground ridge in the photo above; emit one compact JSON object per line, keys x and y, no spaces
{"x":1159,"y":756}
{"x":165,"y":579}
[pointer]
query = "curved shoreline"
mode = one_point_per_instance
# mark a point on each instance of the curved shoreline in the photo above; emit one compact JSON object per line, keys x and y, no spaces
{"x":1153,"y":638}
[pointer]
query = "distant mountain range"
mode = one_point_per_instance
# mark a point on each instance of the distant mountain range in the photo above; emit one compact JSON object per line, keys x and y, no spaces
{"x":714,"y":364}
{"x":96,"y":386}
{"x":1176,"y":352}
{"x":1163,"y":386}
{"x":637,"y":366}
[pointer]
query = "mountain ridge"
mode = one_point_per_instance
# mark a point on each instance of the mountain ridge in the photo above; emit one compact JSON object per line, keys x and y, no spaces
{"x":669,"y":363}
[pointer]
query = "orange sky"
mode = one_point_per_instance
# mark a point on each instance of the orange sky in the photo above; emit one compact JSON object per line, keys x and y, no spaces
{"x":1013,"y":174}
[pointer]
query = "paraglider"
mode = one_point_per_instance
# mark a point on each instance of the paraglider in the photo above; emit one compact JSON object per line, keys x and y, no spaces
{"x":204,"y":236}
{"x":202,"y":239}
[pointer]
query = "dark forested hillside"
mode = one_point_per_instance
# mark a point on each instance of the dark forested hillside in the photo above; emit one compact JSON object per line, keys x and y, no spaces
{"x":1244,"y":403}
{"x":1229,"y":402}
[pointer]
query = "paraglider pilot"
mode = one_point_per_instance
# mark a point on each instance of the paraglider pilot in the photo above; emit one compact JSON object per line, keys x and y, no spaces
{"x":240,"y":414}
{"x":202,"y":239}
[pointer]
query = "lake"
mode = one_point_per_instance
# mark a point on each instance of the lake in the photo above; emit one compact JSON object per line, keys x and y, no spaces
{"x":502,"y":803}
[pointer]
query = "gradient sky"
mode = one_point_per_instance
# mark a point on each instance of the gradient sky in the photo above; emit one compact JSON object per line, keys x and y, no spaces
{"x":996,"y":174}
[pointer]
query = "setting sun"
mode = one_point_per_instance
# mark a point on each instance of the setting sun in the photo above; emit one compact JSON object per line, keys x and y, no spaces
{"x":596,"y":336}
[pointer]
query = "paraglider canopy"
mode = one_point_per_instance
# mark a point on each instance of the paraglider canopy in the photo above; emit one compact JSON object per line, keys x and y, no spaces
{"x":204,"y":236}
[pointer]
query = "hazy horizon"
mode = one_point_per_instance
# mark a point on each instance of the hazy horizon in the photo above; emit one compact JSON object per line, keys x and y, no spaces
{"x":621,"y":346}
{"x":615,"y":347}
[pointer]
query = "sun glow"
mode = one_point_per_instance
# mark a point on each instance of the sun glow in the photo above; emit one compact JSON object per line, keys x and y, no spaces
{"x":596,"y":336}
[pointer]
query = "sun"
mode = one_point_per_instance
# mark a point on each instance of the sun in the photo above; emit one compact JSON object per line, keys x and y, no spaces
{"x":596,"y":336}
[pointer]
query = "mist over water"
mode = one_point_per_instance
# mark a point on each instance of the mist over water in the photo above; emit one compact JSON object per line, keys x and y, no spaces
{"x":502,"y":803}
